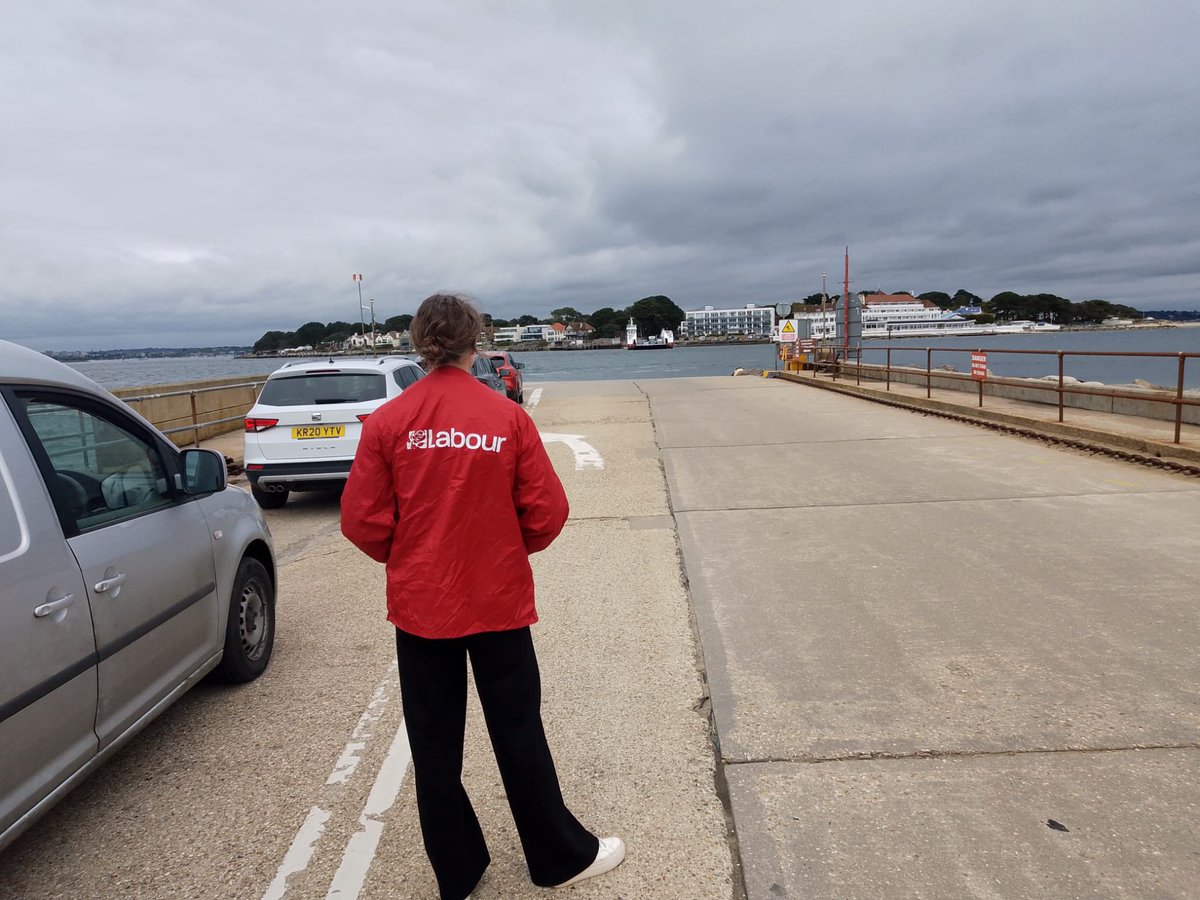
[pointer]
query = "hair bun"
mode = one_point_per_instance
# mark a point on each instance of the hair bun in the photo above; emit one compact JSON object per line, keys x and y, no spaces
{"x":445,"y":327}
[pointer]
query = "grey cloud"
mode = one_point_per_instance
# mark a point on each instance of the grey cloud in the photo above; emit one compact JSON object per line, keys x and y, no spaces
{"x":204,"y":173}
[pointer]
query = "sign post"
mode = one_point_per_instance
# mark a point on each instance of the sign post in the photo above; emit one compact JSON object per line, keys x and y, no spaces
{"x":786,"y":336}
{"x":979,"y":371}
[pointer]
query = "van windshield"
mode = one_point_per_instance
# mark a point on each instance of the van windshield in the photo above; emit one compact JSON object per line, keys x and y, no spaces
{"x":323,"y":388}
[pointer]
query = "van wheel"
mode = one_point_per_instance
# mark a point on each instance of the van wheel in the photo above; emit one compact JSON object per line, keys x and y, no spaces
{"x":250,"y":628}
{"x":269,"y":500}
{"x":521,"y":397}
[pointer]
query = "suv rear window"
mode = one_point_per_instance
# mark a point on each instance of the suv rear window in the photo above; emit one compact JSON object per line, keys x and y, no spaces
{"x":334,"y":387}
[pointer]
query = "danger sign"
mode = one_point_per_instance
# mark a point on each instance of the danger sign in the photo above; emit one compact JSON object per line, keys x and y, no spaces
{"x":787,"y":331}
{"x":979,"y":366}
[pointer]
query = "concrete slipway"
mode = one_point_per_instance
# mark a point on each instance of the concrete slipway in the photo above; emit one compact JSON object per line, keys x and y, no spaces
{"x":942,"y":663}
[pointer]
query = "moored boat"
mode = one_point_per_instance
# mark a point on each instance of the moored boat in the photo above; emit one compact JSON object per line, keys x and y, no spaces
{"x":664,"y":340}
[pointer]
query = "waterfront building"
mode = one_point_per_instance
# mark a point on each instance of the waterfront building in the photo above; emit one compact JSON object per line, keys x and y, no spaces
{"x":538,"y":332}
{"x":400,"y":341}
{"x":579,"y":331}
{"x":891,"y":315}
{"x":713,"y":322}
{"x":517,"y":334}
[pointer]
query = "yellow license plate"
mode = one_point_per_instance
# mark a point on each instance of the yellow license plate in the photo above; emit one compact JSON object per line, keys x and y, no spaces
{"x":307,"y":432}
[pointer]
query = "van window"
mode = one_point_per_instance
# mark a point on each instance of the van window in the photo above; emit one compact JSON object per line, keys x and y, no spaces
{"x":103,"y":472}
{"x":14,"y":534}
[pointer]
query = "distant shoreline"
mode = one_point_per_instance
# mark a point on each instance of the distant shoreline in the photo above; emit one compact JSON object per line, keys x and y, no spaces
{"x":147,"y":353}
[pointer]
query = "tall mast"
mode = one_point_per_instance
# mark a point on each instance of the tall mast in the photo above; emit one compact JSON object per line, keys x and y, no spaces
{"x":846,"y":307}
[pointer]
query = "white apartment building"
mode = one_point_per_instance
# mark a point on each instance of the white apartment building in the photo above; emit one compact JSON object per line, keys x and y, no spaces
{"x":517,"y":334}
{"x":891,"y":315}
{"x":712,"y":322}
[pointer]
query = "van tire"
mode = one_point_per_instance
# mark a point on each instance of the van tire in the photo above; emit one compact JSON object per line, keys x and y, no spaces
{"x":250,"y":625}
{"x":269,"y":500}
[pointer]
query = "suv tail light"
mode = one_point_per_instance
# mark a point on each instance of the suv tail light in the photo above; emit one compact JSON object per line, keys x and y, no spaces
{"x":257,"y":425}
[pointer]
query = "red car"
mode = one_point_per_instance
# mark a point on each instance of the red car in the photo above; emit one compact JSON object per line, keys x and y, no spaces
{"x":510,"y":370}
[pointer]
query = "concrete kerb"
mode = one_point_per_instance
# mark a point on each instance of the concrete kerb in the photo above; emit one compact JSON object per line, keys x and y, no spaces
{"x":704,"y":708}
{"x":1159,"y":452}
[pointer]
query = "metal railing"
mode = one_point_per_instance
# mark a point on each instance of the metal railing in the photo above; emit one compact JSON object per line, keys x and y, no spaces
{"x":1059,"y":386}
{"x":196,"y":423}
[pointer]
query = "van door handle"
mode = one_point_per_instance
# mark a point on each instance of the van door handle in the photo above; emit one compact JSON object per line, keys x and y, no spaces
{"x":116,"y":581}
{"x":53,"y":606}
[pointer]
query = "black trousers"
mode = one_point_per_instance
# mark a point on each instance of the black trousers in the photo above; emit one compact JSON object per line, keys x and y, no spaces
{"x":433,"y":687}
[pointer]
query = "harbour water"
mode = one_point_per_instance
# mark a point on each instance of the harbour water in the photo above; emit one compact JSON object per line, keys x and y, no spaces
{"x":603,"y":365}
{"x":562,"y":365}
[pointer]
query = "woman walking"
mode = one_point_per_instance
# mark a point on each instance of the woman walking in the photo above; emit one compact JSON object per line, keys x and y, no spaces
{"x":452,"y":489}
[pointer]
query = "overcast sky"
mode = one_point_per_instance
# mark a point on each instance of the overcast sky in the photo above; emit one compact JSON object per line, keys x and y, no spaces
{"x":189,"y":174}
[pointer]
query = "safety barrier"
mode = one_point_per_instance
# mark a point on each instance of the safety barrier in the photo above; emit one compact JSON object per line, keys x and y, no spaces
{"x":192,"y":412}
{"x":1161,"y":404}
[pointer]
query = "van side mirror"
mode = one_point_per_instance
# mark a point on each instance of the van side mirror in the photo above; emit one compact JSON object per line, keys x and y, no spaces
{"x":203,"y":471}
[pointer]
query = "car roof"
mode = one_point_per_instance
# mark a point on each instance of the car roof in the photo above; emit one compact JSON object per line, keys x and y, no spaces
{"x":21,"y":365}
{"x":342,"y":364}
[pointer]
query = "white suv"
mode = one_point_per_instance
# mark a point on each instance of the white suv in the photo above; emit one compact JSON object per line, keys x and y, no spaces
{"x":302,"y":432}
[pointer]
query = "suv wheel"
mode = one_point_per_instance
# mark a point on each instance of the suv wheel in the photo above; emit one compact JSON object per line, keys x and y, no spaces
{"x":250,"y":627}
{"x":269,"y":499}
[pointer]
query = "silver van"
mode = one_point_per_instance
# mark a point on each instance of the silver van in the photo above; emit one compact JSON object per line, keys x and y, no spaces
{"x":128,"y":572}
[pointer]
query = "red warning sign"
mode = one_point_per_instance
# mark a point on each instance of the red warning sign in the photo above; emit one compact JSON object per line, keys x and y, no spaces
{"x":979,"y":366}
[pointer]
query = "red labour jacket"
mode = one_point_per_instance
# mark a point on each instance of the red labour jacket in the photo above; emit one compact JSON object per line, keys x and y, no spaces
{"x":452,"y":488}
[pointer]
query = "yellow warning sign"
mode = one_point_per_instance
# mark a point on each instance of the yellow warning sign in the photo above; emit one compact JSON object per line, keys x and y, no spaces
{"x":789,"y":328}
{"x":787,"y":331}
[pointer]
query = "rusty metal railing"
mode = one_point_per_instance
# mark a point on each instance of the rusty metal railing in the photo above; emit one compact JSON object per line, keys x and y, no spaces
{"x":196,"y":423}
{"x":1059,"y":386}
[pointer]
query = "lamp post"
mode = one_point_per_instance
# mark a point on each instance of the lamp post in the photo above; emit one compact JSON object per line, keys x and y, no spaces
{"x":362,"y":325}
{"x":362,"y":310}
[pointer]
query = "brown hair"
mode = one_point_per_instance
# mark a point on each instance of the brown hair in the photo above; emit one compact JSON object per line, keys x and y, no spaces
{"x":445,"y":327}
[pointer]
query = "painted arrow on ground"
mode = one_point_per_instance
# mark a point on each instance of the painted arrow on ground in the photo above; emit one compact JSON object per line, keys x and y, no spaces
{"x":586,"y":456}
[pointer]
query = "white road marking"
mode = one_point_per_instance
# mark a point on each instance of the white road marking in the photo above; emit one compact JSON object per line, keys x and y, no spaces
{"x":304,"y":844}
{"x":348,"y":762}
{"x":360,"y":851}
{"x":586,"y":456}
{"x":535,"y":397}
{"x":299,"y":854}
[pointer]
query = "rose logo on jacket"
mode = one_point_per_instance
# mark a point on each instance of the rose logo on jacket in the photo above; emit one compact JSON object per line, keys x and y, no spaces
{"x":428,"y":439}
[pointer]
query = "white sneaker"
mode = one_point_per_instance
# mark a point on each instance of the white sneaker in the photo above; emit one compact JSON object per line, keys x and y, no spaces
{"x":610,"y":855}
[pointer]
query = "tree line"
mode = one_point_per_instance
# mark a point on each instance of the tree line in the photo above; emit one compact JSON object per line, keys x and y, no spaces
{"x":652,"y":314}
{"x":1009,"y":306}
